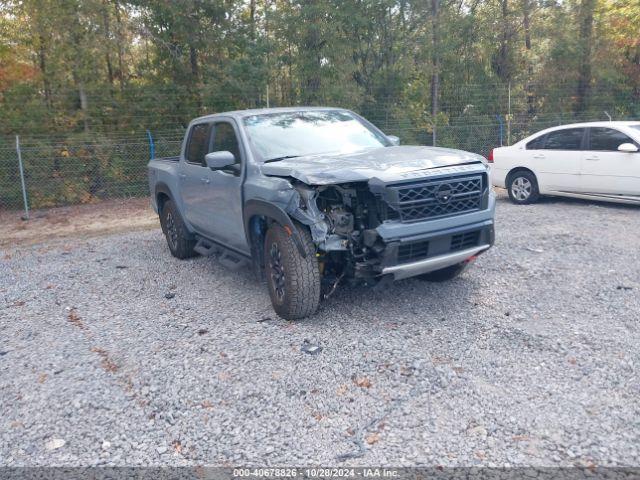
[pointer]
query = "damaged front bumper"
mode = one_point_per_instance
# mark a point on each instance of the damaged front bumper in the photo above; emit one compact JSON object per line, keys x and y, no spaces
{"x":407,"y":258}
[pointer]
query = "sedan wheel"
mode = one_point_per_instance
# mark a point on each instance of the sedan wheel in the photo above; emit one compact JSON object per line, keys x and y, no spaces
{"x":521,"y":188}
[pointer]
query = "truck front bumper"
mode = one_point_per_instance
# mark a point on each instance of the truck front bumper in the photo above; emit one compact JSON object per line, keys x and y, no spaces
{"x":412,"y":256}
{"x":407,"y":270}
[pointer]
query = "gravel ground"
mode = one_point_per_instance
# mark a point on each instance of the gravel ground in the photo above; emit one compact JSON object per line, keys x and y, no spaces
{"x":113,"y":352}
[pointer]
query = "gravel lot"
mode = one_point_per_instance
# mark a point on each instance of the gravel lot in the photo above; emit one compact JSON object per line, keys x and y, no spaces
{"x":530,"y":358}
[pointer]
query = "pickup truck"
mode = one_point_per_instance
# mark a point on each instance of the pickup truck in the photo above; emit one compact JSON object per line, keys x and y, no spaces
{"x":314,"y":196}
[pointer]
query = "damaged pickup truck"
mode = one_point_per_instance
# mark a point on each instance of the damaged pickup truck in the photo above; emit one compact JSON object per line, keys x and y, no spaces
{"x":315,"y":196}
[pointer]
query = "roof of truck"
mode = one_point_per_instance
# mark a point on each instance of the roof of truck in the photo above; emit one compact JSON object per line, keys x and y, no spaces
{"x":263,"y":111}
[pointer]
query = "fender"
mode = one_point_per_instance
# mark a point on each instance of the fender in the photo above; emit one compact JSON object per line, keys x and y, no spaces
{"x":162,"y":187}
{"x":266,"y":209}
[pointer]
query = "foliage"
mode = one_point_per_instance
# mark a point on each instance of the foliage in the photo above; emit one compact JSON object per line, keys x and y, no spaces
{"x":86,"y":72}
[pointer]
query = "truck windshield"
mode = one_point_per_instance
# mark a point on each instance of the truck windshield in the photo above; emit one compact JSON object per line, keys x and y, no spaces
{"x":294,"y":134}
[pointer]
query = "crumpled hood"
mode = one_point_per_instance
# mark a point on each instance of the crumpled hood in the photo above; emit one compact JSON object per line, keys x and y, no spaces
{"x":385,"y":163}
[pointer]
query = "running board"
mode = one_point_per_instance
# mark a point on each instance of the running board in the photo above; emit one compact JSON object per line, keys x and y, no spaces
{"x":206,"y":248}
{"x":227,"y":258}
{"x":232,"y":261}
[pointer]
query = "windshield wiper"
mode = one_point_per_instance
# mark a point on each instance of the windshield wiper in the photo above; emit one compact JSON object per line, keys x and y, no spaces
{"x":277,"y":159}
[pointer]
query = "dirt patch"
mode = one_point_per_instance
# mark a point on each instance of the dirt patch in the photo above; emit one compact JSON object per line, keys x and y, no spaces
{"x":110,"y":216}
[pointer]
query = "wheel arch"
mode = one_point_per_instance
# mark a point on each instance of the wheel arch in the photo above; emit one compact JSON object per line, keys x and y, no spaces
{"x":516,"y":170}
{"x":258,"y":215}
{"x":162,"y":194}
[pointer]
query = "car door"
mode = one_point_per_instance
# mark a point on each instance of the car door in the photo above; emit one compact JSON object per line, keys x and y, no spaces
{"x":557,"y":162}
{"x":224,"y":220}
{"x":194,"y":176}
{"x":605,"y":169}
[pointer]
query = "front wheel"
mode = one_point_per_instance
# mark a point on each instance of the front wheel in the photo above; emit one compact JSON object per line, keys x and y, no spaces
{"x":523,"y":188}
{"x":293,"y":280}
{"x":444,"y":274}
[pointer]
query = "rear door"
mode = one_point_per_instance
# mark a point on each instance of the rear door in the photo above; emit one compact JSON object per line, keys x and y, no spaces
{"x":606,"y":170}
{"x":557,"y":161}
{"x":224,"y":219}
{"x":194,"y":176}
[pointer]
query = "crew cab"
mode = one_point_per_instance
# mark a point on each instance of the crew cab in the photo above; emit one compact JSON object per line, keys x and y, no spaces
{"x":311,"y":197}
{"x":596,"y":161}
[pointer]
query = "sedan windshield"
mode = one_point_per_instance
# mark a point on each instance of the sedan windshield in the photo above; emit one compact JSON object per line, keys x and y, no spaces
{"x":294,"y":134}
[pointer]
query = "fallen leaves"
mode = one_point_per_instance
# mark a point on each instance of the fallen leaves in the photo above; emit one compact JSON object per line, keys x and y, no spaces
{"x":42,"y":377}
{"x":362,"y":382}
{"x":75,"y":319}
{"x":372,"y":438}
{"x":107,"y":363}
{"x":342,"y":389}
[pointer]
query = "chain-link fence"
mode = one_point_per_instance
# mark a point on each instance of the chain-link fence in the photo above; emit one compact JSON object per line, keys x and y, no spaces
{"x":84,"y":168}
{"x":79,"y":169}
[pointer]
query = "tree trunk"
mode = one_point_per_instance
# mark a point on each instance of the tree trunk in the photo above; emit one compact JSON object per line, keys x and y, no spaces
{"x":119,"y":41}
{"x":107,"y":40}
{"x":42,"y":63}
{"x":526,"y":21}
{"x":435,"y":65}
{"x":585,"y":47}
{"x":84,"y":106}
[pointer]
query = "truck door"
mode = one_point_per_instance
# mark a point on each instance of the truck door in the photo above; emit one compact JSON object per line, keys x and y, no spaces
{"x":224,"y":218}
{"x":194,"y":176}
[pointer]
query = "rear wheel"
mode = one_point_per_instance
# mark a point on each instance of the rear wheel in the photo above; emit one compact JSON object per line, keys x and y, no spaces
{"x":293,"y":280}
{"x":523,"y":187}
{"x":444,"y":274}
{"x":179,"y":239}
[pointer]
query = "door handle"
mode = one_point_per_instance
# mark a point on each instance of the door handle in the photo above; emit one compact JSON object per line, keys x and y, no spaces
{"x":205,"y":180}
{"x":539,"y":156}
{"x":592,"y":159}
{"x":182,"y":175}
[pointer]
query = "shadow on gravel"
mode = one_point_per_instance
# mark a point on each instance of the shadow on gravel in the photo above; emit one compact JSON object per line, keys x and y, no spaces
{"x":584,"y":203}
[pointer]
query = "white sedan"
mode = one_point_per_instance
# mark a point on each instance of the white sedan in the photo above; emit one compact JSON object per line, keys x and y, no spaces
{"x":598,"y":160}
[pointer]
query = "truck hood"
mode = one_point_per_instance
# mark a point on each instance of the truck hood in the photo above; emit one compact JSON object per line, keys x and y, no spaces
{"x":385,"y":163}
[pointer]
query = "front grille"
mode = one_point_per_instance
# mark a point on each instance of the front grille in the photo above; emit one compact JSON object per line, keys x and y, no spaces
{"x":436,"y":198}
{"x":409,"y":252}
{"x":464,"y":240}
{"x":413,"y":251}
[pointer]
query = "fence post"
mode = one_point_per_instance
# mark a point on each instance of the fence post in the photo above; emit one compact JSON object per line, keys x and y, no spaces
{"x":24,"y":188}
{"x":152,"y":147}
{"x":501,"y":128}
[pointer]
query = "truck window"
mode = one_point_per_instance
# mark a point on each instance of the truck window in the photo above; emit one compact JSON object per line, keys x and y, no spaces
{"x":224,"y":138}
{"x":198,"y":144}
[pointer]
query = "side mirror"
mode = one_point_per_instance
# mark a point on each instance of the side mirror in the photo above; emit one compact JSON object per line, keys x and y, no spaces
{"x":628,"y":148}
{"x":395,"y":141}
{"x":219,"y":160}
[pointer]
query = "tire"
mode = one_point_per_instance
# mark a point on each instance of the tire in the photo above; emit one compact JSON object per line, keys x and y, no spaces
{"x":523,"y":188}
{"x":293,"y":280}
{"x":179,"y":240}
{"x":444,"y":274}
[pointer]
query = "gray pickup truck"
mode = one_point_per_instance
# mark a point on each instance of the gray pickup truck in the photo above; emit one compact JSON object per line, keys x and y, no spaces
{"x":314,"y":196}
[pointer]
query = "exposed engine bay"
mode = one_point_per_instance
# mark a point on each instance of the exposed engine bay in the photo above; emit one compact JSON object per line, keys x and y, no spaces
{"x":342,"y":219}
{"x":345,"y":222}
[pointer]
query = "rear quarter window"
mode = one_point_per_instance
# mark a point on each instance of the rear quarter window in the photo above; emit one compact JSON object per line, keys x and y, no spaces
{"x":537,"y":143}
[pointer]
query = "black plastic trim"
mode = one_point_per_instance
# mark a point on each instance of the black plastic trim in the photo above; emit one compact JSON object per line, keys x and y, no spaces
{"x":259,"y":207}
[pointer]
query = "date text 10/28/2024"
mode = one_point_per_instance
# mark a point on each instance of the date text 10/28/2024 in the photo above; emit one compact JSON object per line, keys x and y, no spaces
{"x":315,"y":472}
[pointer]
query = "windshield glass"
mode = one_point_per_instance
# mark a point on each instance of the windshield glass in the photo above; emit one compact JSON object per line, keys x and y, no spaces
{"x":293,"y":134}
